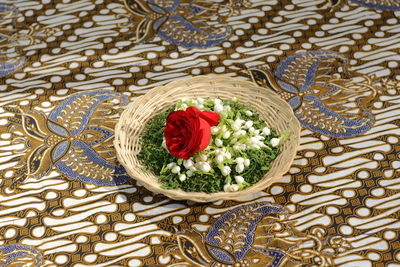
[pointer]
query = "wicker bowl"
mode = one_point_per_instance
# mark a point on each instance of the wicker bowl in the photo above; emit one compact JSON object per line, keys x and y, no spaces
{"x":272,"y":109}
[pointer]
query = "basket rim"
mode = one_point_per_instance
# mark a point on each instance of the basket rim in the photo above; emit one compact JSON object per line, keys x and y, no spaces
{"x":179,"y":194}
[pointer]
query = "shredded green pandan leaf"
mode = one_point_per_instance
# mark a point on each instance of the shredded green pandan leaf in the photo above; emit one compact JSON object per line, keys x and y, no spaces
{"x":156,"y":158}
{"x":153,"y":155}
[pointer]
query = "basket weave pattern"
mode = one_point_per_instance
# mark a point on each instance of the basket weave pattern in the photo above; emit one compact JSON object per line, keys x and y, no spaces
{"x":272,"y":109}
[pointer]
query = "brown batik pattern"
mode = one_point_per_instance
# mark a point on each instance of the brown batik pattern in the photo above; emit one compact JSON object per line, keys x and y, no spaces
{"x":338,"y":203}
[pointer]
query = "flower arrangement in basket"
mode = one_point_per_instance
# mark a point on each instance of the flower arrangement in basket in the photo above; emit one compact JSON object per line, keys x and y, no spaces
{"x":208,"y":145}
{"x":207,"y":139}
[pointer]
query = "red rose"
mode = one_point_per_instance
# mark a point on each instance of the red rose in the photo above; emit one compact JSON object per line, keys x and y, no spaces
{"x":189,"y":131}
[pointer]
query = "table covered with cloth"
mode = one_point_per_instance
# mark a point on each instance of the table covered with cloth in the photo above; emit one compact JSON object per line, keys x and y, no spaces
{"x":68,"y":68}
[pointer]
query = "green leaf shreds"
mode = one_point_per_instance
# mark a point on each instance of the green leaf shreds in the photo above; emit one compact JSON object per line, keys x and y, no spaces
{"x":153,"y":155}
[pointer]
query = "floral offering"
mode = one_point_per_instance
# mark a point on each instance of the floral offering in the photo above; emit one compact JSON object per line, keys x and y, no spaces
{"x":208,"y":145}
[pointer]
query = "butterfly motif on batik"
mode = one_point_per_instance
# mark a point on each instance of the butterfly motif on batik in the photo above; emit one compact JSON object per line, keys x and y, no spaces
{"x":257,"y":234}
{"x":188,"y":24}
{"x":14,"y":35}
{"x":384,"y":5}
{"x":76,"y":138}
{"x":7,"y":40}
{"x":322,"y":92}
{"x":19,"y":255}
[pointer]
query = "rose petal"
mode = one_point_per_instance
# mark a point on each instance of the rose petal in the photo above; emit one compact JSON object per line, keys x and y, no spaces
{"x":193,"y":140}
{"x":204,"y":135}
{"x":193,"y":111}
{"x":211,"y":117}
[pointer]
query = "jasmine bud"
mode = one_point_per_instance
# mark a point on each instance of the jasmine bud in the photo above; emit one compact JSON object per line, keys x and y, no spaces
{"x":226,"y":170}
{"x":182,"y":177}
{"x":176,"y":169}
{"x":218,"y":142}
{"x":266,"y":131}
{"x":226,"y":135}
{"x":239,"y":168}
{"x":239,"y":179}
{"x":234,"y":188}
{"x":275,"y":142}
{"x":227,"y":187}
{"x":219,"y":158}
{"x":246,"y":162}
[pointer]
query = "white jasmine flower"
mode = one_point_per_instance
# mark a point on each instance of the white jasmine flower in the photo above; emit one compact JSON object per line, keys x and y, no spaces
{"x":200,"y":100}
{"x":218,"y":108}
{"x":239,"y":179}
{"x":275,"y":142}
{"x":239,"y":168}
{"x":239,"y":133}
{"x":227,"y":108}
{"x":266,"y":131}
{"x":189,"y":173}
{"x":184,"y":99}
{"x":184,"y":106}
{"x":201,"y":158}
{"x":227,"y":187}
{"x":188,"y":163}
{"x":256,"y":140}
{"x":251,"y":130}
{"x":192,"y":169}
{"x":228,"y":155}
{"x":239,"y":160}
{"x":236,"y":126}
{"x":234,"y":99}
{"x":248,"y":113}
{"x":171,"y":165}
{"x":219,"y":158}
{"x":234,"y":141}
{"x":226,"y":170}
{"x":239,"y":146}
{"x":248,"y":124}
{"x":223,"y":129}
{"x":217,"y":101}
{"x":256,"y":146}
{"x":205,"y":167}
{"x":218,"y":142}
{"x":176,"y":169}
{"x":234,"y":188}
{"x":182,"y":177}
{"x":246,"y":162}
{"x":200,"y":106}
{"x":226,"y":135}
{"x":214,"y":129}
{"x":257,"y":132}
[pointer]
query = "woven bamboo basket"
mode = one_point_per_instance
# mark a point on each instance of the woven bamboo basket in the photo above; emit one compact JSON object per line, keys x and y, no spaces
{"x":272,"y":109}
